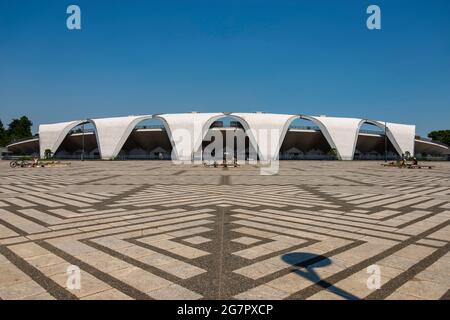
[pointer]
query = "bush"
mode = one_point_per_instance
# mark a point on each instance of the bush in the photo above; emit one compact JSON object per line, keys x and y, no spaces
{"x":48,"y":154}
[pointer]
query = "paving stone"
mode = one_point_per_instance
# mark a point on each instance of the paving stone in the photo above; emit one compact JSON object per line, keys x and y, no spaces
{"x":194,"y":235}
{"x":246,"y":240}
{"x":197,"y":240}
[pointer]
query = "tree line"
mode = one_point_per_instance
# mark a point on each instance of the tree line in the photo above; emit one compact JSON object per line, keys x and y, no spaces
{"x":17,"y":129}
{"x":440,"y":135}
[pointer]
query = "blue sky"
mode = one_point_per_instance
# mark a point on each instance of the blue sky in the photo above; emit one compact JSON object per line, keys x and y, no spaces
{"x":144,"y":57}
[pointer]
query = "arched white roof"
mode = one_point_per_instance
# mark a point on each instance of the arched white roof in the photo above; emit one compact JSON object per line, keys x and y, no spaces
{"x":403,"y":134}
{"x":52,"y":135}
{"x":266,"y":132}
{"x":341,"y":134}
{"x":113,"y":132}
{"x":186,"y":131}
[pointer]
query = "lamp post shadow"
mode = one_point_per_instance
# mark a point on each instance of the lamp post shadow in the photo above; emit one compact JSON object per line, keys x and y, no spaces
{"x":305,"y":264}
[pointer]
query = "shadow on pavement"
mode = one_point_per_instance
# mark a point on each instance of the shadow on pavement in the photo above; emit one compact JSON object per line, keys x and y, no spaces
{"x":306,"y":263}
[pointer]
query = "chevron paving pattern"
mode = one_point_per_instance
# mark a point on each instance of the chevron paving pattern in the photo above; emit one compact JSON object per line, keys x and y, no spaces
{"x":155,"y":230}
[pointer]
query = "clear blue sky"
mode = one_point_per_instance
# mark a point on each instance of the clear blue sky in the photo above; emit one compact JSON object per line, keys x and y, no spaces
{"x":144,"y":57}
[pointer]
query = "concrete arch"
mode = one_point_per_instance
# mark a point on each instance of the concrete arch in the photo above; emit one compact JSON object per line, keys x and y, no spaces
{"x":401,"y":136}
{"x":196,"y":126}
{"x":340,"y":133}
{"x":113,"y":132}
{"x":237,"y":117}
{"x":175,"y":155}
{"x":186,"y":132}
{"x":51,"y":136}
{"x":262,"y":125}
{"x":205,"y":129}
{"x":404,"y":136}
{"x":380,"y":126}
{"x":337,"y":131}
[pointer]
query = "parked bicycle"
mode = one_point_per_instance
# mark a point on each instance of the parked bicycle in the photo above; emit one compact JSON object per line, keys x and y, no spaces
{"x":19,"y":163}
{"x":23,"y":163}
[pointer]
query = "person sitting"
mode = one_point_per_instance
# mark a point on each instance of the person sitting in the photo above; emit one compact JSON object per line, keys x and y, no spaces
{"x":35,"y":162}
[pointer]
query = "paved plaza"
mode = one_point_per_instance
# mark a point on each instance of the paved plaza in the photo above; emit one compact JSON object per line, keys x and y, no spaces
{"x":156,"y":230}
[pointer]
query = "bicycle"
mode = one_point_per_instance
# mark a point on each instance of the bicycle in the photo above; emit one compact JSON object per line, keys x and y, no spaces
{"x":13,"y":164}
{"x":21,"y":163}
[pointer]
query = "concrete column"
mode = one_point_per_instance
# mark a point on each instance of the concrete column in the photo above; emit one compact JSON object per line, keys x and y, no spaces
{"x":404,"y":135}
{"x":267,"y":131}
{"x":341,"y":134}
{"x":52,"y":135}
{"x":113,"y":132}
{"x":186,"y":132}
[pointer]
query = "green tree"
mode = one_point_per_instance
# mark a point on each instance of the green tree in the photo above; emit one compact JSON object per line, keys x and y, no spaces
{"x":440,"y":135}
{"x":332,"y":152}
{"x":3,"y":137}
{"x":48,"y":154}
{"x":19,"y":128}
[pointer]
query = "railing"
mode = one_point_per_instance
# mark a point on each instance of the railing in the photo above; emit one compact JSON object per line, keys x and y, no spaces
{"x":16,"y":157}
{"x":378,"y":157}
{"x":77,"y":131}
{"x":434,"y":158}
{"x":143,"y":157}
{"x":381,"y":133}
{"x":315,"y":128}
{"x":432,"y":141}
{"x":153,"y":126}
{"x":76,"y":157}
{"x":284,"y":156}
{"x":92,"y":130}
{"x":23,"y":139}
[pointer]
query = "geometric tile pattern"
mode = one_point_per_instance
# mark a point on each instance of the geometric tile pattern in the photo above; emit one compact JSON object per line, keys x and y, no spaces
{"x":155,"y":230}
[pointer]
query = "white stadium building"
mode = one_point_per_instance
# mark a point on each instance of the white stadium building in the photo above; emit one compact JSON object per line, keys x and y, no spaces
{"x":268,"y":136}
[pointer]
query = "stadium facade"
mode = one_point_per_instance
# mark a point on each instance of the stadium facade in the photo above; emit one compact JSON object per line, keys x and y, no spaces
{"x":271,"y":136}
